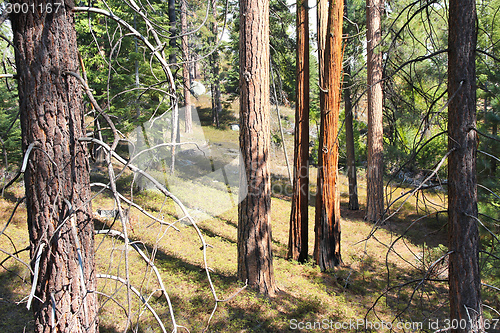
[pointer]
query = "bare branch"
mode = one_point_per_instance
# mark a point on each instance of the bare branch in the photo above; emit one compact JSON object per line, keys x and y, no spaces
{"x":132,"y":288}
{"x":35,"y":274}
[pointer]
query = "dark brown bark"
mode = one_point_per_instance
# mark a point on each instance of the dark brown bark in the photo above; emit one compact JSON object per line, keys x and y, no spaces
{"x":255,"y":261}
{"x":464,"y":277}
{"x":176,"y":133}
{"x":51,"y":109}
{"x":327,"y":254}
{"x":349,"y":137}
{"x":298,"y":234}
{"x":375,"y":168}
{"x":188,"y":120}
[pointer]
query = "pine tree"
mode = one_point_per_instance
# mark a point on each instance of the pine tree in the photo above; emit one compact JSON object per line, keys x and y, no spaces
{"x":255,"y":261}
{"x":298,"y":234}
{"x":327,"y":226}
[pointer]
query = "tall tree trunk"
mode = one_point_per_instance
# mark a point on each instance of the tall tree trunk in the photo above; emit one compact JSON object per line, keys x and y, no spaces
{"x":298,"y":234}
{"x":173,"y":31}
{"x":349,"y":134}
{"x":52,"y":112}
{"x":255,"y":261}
{"x":322,"y":17}
{"x":328,"y":254}
{"x":464,"y":278}
{"x":175,"y":135}
{"x":216,"y":96}
{"x":188,"y":120}
{"x":322,"y":28}
{"x":375,"y":170}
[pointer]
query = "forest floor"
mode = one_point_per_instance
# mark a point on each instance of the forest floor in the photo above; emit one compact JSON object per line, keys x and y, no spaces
{"x":385,"y":276}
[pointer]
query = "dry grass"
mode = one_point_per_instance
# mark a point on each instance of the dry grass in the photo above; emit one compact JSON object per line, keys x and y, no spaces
{"x":306,"y":294}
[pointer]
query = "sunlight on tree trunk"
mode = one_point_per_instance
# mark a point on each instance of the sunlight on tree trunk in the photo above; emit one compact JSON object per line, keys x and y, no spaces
{"x":349,"y":138}
{"x":375,"y":168}
{"x":175,"y":135}
{"x":327,"y":254}
{"x":464,"y":277}
{"x":298,"y":233}
{"x":255,"y":261}
{"x":57,"y":177}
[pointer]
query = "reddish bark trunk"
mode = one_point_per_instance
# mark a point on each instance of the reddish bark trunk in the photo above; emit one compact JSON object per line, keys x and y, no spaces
{"x":349,"y":138}
{"x":322,"y":29}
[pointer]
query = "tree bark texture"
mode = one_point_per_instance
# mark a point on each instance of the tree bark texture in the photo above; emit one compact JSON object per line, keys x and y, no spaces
{"x":375,"y":170}
{"x":216,"y":95}
{"x":328,"y":232}
{"x":255,"y":262}
{"x":298,"y":234}
{"x":51,"y":109}
{"x":322,"y":26}
{"x":464,"y":278}
{"x":349,"y":135}
{"x":188,"y":119}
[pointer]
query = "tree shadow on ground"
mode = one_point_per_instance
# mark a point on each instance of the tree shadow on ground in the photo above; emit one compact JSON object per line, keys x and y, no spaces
{"x":284,"y":313}
{"x":15,"y":317}
{"x":244,"y":312}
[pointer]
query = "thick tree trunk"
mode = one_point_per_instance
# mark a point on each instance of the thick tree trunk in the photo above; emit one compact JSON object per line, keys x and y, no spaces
{"x":298,"y":234}
{"x":216,"y":96}
{"x":51,"y":109}
{"x":464,"y":278}
{"x":349,"y":137}
{"x":175,"y":135}
{"x":173,"y":31}
{"x":188,"y":119}
{"x":322,"y":18}
{"x":255,"y":261}
{"x":375,"y":169}
{"x":327,"y":254}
